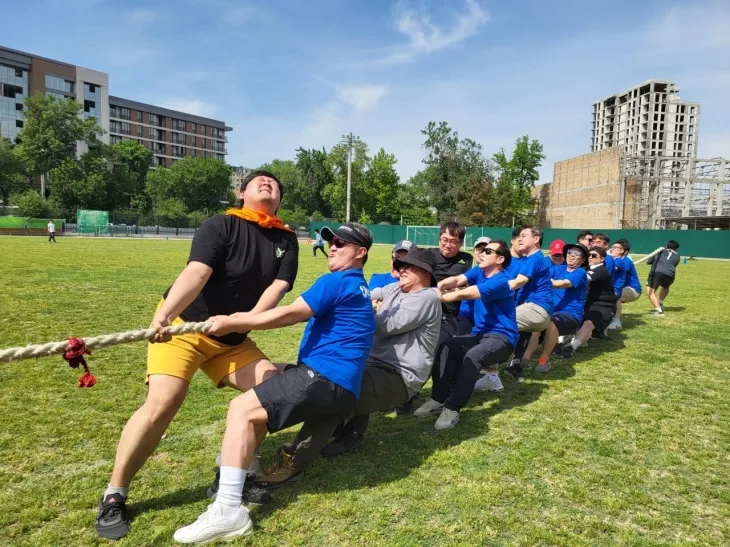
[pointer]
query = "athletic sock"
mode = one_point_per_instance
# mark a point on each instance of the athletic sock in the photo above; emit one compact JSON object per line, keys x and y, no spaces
{"x":576,"y":343}
{"x":230,"y":488}
{"x":121,"y":490}
{"x":659,"y":309}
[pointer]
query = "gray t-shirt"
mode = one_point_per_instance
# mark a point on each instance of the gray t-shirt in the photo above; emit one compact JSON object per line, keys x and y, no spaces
{"x":665,"y":263}
{"x":407,"y":328}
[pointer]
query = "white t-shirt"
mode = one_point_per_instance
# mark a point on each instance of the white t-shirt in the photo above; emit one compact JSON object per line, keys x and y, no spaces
{"x":51,"y":227}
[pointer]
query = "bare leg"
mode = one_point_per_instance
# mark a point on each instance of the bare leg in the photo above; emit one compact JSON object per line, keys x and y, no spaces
{"x":619,"y":305}
{"x":551,"y":339}
{"x":654,"y":299}
{"x":245,"y":430}
{"x":532,"y":346}
{"x":585,"y":332}
{"x":663,"y":293}
{"x":145,"y":428}
{"x":251,"y":375}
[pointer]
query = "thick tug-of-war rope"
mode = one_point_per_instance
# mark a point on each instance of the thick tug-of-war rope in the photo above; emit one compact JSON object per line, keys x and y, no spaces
{"x":647,"y":257}
{"x":74,"y":349}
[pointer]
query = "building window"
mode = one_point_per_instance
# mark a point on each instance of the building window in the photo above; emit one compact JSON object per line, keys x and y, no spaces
{"x":177,"y":138}
{"x":89,"y":106}
{"x":126,"y":128}
{"x":125,"y":114}
{"x":18,"y":106}
{"x":205,"y":143}
{"x":193,"y":127}
{"x":159,"y":121}
{"x":154,"y":133}
{"x":178,"y":151}
{"x":19,"y":124}
{"x":193,"y":141}
{"x":139,"y":116}
{"x":178,"y":125}
{"x":140,"y":131}
{"x":59,"y":84}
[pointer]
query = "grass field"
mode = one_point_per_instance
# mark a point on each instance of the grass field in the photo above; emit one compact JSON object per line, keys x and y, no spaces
{"x":627,"y":443}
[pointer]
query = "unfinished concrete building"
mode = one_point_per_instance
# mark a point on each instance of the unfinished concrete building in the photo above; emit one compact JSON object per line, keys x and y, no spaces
{"x":615,"y":189}
{"x":647,"y":120}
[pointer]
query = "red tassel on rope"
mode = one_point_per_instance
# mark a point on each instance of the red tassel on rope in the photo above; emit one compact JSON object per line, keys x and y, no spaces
{"x":75,"y":357}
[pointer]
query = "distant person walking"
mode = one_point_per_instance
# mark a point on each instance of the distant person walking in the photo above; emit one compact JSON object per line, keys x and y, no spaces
{"x":318,"y":244}
{"x":661,"y":276}
{"x":51,"y":231}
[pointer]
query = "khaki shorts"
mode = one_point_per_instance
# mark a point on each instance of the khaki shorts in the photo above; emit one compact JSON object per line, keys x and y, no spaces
{"x":532,"y":318}
{"x":629,"y":295}
{"x":182,"y":356}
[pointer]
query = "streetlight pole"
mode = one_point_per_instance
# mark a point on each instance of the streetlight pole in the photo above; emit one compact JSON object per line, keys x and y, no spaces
{"x":349,"y":139}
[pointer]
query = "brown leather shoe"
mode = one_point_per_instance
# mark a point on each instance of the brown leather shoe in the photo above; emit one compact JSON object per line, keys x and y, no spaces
{"x":279,"y":474}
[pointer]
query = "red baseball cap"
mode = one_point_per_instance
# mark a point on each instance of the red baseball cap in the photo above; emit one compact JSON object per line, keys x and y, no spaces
{"x":556,"y":247}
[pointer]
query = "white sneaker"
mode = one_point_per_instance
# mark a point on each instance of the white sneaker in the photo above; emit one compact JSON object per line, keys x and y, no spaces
{"x":213,"y":525}
{"x":447,"y":419}
{"x":428,"y":408}
{"x":614,"y":324}
{"x":489,"y":382}
{"x":253,"y":469}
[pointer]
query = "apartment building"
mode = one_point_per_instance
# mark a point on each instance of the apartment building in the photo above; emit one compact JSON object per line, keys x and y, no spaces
{"x":170,"y":134}
{"x":647,"y":120}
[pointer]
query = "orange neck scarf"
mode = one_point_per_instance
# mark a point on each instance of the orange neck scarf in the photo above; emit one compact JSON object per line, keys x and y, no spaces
{"x":262,"y":219}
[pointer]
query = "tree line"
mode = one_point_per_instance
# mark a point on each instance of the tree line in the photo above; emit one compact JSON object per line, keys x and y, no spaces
{"x":457,"y":181}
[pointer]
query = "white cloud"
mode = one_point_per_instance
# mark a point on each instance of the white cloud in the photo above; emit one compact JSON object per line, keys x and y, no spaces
{"x":426,"y":37}
{"x":143,"y":15}
{"x":362,"y":98}
{"x":189,"y":106}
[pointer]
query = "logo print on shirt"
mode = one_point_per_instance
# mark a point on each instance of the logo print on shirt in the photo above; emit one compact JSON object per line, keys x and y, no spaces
{"x":279,"y":253}
{"x":311,"y":374}
{"x":365,"y":291}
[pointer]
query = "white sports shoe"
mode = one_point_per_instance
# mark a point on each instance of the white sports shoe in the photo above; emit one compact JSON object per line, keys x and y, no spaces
{"x":615,"y":324}
{"x":214,"y":525}
{"x":489,"y":382}
{"x":447,"y":419}
{"x":428,"y":408}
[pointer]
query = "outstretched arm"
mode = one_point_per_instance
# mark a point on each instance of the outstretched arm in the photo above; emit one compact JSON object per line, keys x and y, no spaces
{"x":284,"y":316}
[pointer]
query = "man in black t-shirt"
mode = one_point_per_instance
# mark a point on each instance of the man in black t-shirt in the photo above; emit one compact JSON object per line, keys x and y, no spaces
{"x":244,"y":261}
{"x":450,"y":261}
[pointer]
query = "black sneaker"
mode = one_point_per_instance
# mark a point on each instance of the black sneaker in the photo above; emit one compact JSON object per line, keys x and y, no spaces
{"x":599,"y":335}
{"x":251,"y":493}
{"x":405,"y":408}
{"x":515,"y":371}
{"x":112,"y":522}
{"x":343,"y":445}
{"x":568,"y":351}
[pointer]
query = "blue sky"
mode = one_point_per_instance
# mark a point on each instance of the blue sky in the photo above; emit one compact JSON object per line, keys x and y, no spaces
{"x":288,"y":73}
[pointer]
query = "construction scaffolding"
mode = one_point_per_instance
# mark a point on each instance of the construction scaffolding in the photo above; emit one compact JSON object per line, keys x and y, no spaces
{"x":670,"y":192}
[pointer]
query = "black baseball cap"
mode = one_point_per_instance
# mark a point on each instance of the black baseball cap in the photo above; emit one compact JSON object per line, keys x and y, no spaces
{"x":352,"y":232}
{"x":421,"y":258}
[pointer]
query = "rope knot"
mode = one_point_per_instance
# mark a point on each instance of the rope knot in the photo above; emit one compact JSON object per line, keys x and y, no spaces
{"x":74,"y":356}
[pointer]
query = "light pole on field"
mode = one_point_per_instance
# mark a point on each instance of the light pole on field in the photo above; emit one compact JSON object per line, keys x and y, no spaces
{"x":349,"y":139}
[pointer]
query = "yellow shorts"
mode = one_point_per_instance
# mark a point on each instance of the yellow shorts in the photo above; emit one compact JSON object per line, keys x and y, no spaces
{"x":182,"y":356}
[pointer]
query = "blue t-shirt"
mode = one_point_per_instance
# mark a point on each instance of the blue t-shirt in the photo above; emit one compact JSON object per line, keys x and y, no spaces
{"x":494,"y":312}
{"x":337,"y":339}
{"x":618,"y":275}
{"x":610,"y":263}
{"x":466,"y":309}
{"x":572,"y":300}
{"x":557,"y":270}
{"x":514,"y":267}
{"x":538,"y":290}
{"x":378,"y":281}
{"x":318,"y":242}
{"x":632,"y":278}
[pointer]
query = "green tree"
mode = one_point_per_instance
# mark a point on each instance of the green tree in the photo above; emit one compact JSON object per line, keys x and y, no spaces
{"x":316,"y":172}
{"x":84,"y":184}
{"x":381,"y":188}
{"x":451,"y":164}
{"x":200,"y":184}
{"x":296,"y":194}
{"x":520,"y":172}
{"x":171,"y":209}
{"x":130,"y":164}
{"x":31,"y":204}
{"x":51,"y":130}
{"x":293,"y":218}
{"x":13,"y":177}
{"x":336,"y":192}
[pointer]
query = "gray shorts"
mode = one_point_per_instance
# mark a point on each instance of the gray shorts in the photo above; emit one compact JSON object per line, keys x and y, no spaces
{"x":532,"y":318}
{"x":629,"y":295}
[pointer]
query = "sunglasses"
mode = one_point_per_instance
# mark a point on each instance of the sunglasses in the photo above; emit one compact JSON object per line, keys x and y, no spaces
{"x":594,"y":255}
{"x":339,"y":242}
{"x":574,"y":252}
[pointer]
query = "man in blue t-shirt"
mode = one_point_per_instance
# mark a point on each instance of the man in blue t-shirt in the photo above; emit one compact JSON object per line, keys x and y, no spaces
{"x":326,"y":382}
{"x":317,"y":244}
{"x":465,"y":321}
{"x":626,"y":282}
{"x":491,"y":341}
{"x":534,"y":296}
{"x":380,"y":280}
{"x":569,"y":297}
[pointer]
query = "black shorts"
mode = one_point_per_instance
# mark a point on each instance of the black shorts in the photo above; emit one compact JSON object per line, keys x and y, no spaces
{"x":299,"y":394}
{"x":566,"y":323}
{"x":600,"y":316}
{"x":659,"y":280}
{"x":464,"y":326}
